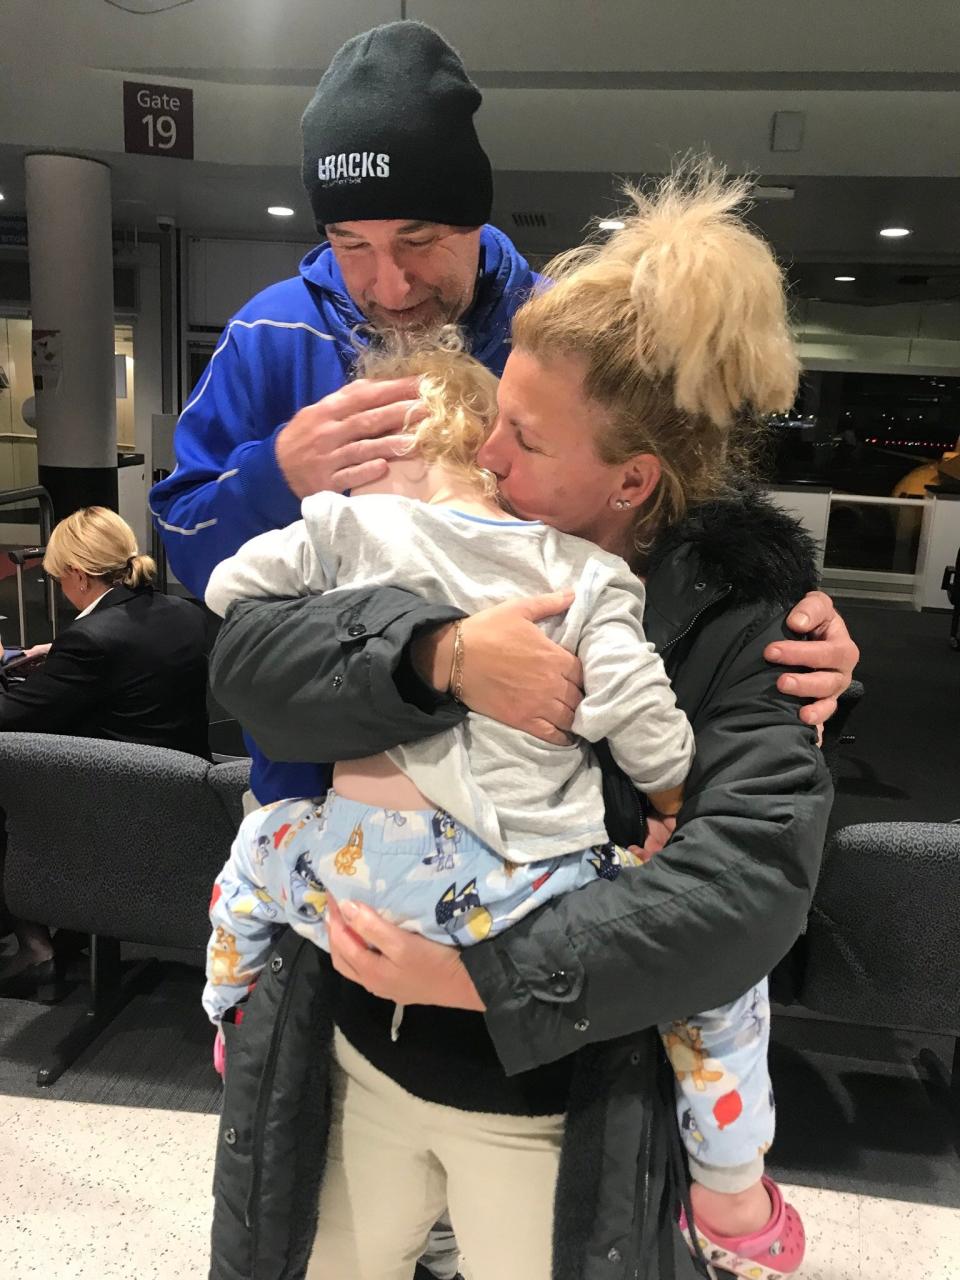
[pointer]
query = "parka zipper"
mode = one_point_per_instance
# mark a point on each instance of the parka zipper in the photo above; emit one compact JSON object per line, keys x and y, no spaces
{"x":263,"y":1101}
{"x":721,"y":595}
{"x":647,"y":1143}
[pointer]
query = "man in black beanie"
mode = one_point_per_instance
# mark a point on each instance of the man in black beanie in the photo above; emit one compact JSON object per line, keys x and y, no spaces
{"x":389,"y":140}
{"x":401,"y":189}
{"x":389,"y":134}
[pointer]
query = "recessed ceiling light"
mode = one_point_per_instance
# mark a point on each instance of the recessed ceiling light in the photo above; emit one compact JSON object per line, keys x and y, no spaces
{"x":2,"y":196}
{"x":894,"y":233}
{"x":280,"y":211}
{"x":844,"y":279}
{"x":612,"y":224}
{"x":773,"y":193}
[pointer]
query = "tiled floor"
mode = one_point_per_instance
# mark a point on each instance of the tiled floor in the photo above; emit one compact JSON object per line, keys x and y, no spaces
{"x":118,"y":1193}
{"x":103,"y":1193}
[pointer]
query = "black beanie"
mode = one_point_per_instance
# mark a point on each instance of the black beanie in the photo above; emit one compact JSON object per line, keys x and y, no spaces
{"x":389,"y":133}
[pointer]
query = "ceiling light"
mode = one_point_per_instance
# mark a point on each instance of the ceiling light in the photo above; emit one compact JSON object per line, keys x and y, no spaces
{"x":2,"y":196}
{"x":844,"y":279}
{"x":612,"y":224}
{"x":773,"y":193}
{"x":894,"y":233}
{"x":280,"y":211}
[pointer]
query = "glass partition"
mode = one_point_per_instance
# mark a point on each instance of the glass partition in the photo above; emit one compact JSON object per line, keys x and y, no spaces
{"x":18,"y":438}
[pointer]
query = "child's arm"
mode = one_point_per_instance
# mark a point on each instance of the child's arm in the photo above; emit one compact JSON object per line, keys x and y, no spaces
{"x":247,"y":911}
{"x":628,"y":698}
{"x":669,"y":802}
{"x":296,"y":561}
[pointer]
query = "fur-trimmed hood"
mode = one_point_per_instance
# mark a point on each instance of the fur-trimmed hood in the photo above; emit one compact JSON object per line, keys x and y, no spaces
{"x":743,"y":545}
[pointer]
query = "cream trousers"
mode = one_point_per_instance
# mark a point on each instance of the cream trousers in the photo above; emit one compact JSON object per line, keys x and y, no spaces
{"x":394,"y":1164}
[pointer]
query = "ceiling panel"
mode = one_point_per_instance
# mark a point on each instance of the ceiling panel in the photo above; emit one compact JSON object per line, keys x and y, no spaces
{"x":616,"y":87}
{"x":699,"y":35}
{"x":207,"y":33}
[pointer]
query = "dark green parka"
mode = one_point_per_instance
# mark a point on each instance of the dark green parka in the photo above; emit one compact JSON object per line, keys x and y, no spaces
{"x":589,"y":974}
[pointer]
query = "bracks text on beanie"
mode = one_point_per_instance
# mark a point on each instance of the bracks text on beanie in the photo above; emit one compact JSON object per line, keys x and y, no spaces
{"x":389,"y":133}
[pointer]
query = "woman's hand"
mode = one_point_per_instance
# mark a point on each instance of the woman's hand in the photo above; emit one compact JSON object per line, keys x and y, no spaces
{"x":37,"y":651}
{"x":403,"y":967}
{"x":511,"y":671}
{"x":659,"y":831}
{"x":830,"y":656}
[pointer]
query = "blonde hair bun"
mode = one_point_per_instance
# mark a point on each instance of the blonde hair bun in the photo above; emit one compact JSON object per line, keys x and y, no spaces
{"x":98,"y":542}
{"x":709,"y":298}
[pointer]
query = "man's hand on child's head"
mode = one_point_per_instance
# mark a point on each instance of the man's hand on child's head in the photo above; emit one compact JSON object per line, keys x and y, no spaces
{"x":347,"y":439}
{"x":829,"y":656}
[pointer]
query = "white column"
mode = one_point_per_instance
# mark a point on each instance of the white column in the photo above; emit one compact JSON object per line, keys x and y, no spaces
{"x":69,"y":229}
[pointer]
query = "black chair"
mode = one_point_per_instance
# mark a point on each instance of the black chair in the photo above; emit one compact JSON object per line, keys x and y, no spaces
{"x":836,"y":731}
{"x":117,"y":841}
{"x":882,"y":946}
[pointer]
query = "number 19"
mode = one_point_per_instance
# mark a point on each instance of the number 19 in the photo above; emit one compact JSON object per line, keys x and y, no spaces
{"x":161,"y":131}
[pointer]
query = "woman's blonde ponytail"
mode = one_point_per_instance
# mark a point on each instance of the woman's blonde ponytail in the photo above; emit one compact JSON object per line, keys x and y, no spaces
{"x":709,"y":299}
{"x":139,"y":571}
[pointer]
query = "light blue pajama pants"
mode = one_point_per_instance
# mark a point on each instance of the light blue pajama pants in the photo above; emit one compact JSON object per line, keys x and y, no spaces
{"x":424,"y":871}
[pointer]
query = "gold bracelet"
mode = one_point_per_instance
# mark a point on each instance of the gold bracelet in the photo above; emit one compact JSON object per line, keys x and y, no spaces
{"x":456,"y":671}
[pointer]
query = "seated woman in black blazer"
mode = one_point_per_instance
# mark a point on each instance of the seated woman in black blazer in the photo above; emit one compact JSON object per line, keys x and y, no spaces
{"x":131,"y":667}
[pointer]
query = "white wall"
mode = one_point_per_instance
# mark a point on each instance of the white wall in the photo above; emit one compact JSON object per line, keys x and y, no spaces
{"x":224,"y":274}
{"x":913,"y":337}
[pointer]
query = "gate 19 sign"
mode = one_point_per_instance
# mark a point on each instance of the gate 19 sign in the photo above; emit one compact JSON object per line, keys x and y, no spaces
{"x":157,"y":120}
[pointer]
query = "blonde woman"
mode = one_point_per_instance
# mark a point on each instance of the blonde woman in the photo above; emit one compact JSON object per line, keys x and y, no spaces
{"x":626,"y":409}
{"x":131,"y":667}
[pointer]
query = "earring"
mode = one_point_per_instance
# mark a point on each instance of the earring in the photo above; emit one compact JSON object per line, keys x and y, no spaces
{"x":621,"y":504}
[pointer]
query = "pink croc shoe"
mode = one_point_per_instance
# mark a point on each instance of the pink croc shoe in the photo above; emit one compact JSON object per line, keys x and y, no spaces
{"x":773,"y":1253}
{"x":219,"y":1054}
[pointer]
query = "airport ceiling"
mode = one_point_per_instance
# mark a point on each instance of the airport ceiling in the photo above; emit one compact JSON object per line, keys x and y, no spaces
{"x":577,"y":95}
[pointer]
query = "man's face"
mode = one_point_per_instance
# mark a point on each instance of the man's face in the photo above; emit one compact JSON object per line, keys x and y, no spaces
{"x":404,"y":274}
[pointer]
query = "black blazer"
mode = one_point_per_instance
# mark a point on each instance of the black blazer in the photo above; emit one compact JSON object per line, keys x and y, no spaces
{"x":133,"y":670}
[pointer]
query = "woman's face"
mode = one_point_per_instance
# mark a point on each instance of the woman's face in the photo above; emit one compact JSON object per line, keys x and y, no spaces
{"x":542,"y":451}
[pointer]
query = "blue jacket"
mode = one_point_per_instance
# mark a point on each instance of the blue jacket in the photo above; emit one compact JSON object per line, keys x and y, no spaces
{"x":288,"y":347}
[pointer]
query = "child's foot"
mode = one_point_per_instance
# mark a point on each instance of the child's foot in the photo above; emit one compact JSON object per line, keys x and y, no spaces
{"x":731,"y":1213}
{"x":768,"y":1253}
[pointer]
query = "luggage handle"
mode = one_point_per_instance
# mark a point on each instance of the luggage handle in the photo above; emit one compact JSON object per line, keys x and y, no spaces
{"x":27,"y":553}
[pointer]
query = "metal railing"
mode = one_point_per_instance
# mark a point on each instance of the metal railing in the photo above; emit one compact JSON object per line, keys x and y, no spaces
{"x":892,"y":536}
{"x":15,"y":498}
{"x":867,"y":500}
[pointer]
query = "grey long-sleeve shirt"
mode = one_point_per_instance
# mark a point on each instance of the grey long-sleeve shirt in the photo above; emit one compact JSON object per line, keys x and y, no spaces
{"x":526,"y":798}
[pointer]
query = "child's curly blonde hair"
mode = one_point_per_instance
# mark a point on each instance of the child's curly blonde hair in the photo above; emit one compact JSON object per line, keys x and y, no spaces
{"x":459,"y":392}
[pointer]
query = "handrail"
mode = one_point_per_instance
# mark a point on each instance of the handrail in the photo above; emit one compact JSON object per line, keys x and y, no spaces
{"x":866,"y":499}
{"x":37,"y":493}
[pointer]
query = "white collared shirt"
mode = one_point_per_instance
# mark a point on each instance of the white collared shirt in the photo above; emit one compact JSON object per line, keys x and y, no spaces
{"x":90,"y":607}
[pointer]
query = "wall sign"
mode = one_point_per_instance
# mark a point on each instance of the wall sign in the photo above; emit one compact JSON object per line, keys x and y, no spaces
{"x":47,"y":359}
{"x":157,"y":120}
{"x":13,"y":229}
